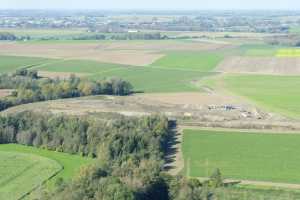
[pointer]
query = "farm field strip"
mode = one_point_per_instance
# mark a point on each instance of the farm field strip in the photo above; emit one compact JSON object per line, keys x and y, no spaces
{"x":137,"y":52}
{"x":21,"y":173}
{"x":11,"y":63}
{"x":258,"y":50}
{"x":189,"y":61}
{"x":241,"y":155}
{"x":275,"y":93}
{"x":156,"y":79}
{"x":260,"y":65}
{"x":147,"y":79}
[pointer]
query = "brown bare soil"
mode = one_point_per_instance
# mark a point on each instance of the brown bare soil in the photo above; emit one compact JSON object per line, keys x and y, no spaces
{"x":161,"y":46}
{"x":80,"y":51}
{"x":190,"y":98}
{"x":260,"y":65}
{"x":120,"y":52}
{"x":199,"y":111}
{"x":5,"y":92}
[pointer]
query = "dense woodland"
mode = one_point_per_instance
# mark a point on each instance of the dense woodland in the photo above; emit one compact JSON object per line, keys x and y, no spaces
{"x":129,"y":156}
{"x":28,"y":88}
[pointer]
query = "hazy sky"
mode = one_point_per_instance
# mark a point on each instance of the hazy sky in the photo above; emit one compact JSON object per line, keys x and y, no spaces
{"x":151,"y":4}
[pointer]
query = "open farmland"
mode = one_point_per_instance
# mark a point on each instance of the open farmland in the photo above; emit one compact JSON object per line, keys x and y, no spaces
{"x":200,"y":61}
{"x":71,"y":163}
{"x":20,"y":173}
{"x":139,"y":53}
{"x":276,"y":93}
{"x":150,"y":79}
{"x":11,"y":63}
{"x":242,"y":155}
{"x":260,"y":65}
{"x":144,"y":79}
{"x":258,"y":50}
{"x":78,"y":66}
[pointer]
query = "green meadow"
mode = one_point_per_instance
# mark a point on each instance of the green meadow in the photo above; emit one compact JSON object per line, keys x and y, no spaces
{"x":275,"y":93}
{"x":242,"y":155}
{"x":258,"y":50}
{"x":11,"y":63}
{"x":144,"y":79}
{"x":147,"y":79}
{"x":71,"y":163}
{"x":200,"y":61}
{"x":78,"y":66}
{"x":20,"y":173}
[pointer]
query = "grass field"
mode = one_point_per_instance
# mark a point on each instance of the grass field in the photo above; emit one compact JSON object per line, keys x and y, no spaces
{"x":275,"y":93}
{"x":20,"y":173}
{"x":11,"y":63}
{"x":200,"y":61}
{"x":145,"y":79}
{"x":242,"y":155}
{"x":291,"y":52}
{"x":258,"y":50}
{"x":294,"y":29}
{"x":70,"y":163}
{"x":78,"y":66}
{"x":149,"y":79}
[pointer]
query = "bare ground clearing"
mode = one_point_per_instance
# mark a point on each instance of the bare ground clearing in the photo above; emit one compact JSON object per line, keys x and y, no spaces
{"x":206,"y":113}
{"x":5,"y":92}
{"x":163,"y":45}
{"x":260,"y":65}
{"x":81,"y":51}
{"x":190,"y":98}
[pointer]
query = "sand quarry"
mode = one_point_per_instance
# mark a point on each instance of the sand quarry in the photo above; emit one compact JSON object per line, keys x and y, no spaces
{"x":189,"y":109}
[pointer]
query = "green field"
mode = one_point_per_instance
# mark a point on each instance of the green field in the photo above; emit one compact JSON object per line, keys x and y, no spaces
{"x":258,"y":50}
{"x":11,"y":63}
{"x":294,"y":29}
{"x":242,"y":155}
{"x":71,"y":163}
{"x":147,"y":79}
{"x":144,"y":79}
{"x":79,"y":66}
{"x":199,"y":61}
{"x":20,"y":173}
{"x":275,"y":93}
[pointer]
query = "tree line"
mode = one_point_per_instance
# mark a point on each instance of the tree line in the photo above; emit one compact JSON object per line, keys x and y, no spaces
{"x":28,"y":88}
{"x":112,"y":36}
{"x":12,"y":37}
{"x":129,"y":155}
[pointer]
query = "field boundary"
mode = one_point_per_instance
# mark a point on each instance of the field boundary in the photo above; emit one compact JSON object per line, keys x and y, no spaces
{"x":254,"y":131}
{"x":257,"y":183}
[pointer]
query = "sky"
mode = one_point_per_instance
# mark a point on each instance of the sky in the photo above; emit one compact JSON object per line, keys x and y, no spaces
{"x":152,"y":4}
